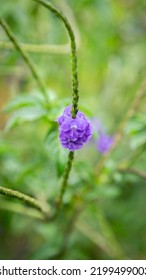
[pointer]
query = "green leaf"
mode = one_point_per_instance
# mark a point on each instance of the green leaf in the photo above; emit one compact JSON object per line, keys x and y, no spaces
{"x":54,"y":148}
{"x":25,"y":115}
{"x":21,"y":101}
{"x":5,"y":148}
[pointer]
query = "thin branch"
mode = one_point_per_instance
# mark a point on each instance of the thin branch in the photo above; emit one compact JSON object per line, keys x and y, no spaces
{"x":109,"y":235}
{"x":120,"y":130}
{"x":95,"y":237}
{"x":26,"y":58}
{"x":39,"y":48}
{"x":129,"y":161}
{"x":49,"y":48}
{"x":98,"y":239}
{"x":27,"y":200}
{"x":133,"y":171}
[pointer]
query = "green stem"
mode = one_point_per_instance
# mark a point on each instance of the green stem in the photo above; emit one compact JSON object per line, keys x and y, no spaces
{"x":65,"y":178}
{"x":75,"y":82}
{"x":25,"y":198}
{"x":75,"y":98}
{"x":39,"y":48}
{"x":130,"y":161}
{"x":26,"y":58}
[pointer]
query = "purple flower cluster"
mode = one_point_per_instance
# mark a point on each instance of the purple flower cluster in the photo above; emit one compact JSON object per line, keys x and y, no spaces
{"x":74,"y":132}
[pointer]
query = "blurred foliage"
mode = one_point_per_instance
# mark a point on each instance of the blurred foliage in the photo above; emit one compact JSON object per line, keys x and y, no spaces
{"x":103,"y":216}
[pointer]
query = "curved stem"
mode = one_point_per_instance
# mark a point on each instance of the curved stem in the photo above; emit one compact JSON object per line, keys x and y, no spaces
{"x":26,"y":199}
{"x":75,"y":83}
{"x":49,"y":48}
{"x":27,"y":59}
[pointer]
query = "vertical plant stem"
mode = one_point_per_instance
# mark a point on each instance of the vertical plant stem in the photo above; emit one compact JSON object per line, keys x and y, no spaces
{"x":75,"y":86}
{"x":75,"y":82}
{"x":26,"y":58}
{"x":65,"y":178}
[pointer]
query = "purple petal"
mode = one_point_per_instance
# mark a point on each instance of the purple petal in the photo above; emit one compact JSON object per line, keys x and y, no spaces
{"x":67,"y":111}
{"x":60,"y":120}
{"x":66,"y":125}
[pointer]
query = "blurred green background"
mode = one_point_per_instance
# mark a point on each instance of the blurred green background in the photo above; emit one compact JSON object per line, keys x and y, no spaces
{"x":103,"y":217}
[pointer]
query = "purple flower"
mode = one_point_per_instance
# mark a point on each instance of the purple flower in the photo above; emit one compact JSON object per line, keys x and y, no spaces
{"x":104,"y":143}
{"x":74,"y":132}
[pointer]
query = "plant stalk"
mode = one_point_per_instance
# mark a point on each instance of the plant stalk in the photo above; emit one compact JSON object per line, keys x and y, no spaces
{"x":75,"y":82}
{"x":24,"y":198}
{"x":75,"y":88}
